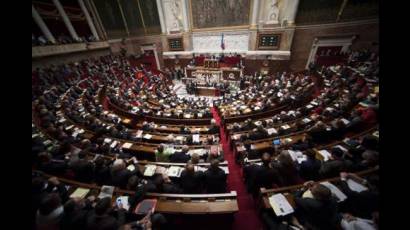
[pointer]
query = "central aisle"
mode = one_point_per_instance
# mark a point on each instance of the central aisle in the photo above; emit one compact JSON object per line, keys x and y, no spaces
{"x":247,"y":217}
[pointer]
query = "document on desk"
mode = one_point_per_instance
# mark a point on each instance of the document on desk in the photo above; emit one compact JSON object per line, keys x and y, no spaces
{"x":297,"y":155}
{"x":131,"y":167}
{"x":80,"y":193}
{"x":354,"y":186}
{"x":285,"y":127}
{"x":271,"y":131}
{"x":113,"y":144}
{"x":309,"y":106}
{"x":335,"y":191}
{"x":280,"y":205}
{"x":326,"y":155}
{"x":150,"y":170}
{"x":127,"y":145}
{"x":174,"y":171}
{"x":306,"y":120}
{"x":107,"y":140}
{"x":147,"y":136}
{"x":139,"y":134}
{"x":341,"y":148}
{"x":236,"y":137}
{"x":195,"y":138}
{"x":106,"y":191}
{"x":345,"y":121}
{"x":199,"y":168}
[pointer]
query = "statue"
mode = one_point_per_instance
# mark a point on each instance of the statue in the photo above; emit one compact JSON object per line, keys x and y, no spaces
{"x":273,"y":13}
{"x":176,"y":11}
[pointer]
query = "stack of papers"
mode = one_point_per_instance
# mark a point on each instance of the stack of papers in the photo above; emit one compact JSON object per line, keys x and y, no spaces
{"x":195,"y":138}
{"x":106,"y":191}
{"x":80,"y":193}
{"x":174,"y":171}
{"x":272,"y":131}
{"x":280,"y":205}
{"x":326,"y":155}
{"x":127,"y":145}
{"x":139,"y":134}
{"x":147,"y":136}
{"x":335,"y":191}
{"x":150,"y":170}
{"x":114,"y":144}
{"x":354,"y":186}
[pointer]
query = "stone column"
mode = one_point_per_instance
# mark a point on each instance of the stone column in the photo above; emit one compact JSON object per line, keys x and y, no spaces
{"x":185,"y":15}
{"x":291,"y":11}
{"x":255,"y":11}
{"x":43,"y":27}
{"x":161,"y":16}
{"x":66,"y":20}
{"x":89,"y":21}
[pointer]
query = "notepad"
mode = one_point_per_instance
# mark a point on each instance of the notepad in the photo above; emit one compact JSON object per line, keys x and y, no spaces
{"x":174,"y":171}
{"x":272,"y":131}
{"x":150,"y":170}
{"x":335,"y":191}
{"x":114,"y":144}
{"x":326,"y":155}
{"x":280,"y":205}
{"x":80,"y":193}
{"x":139,"y":134}
{"x":127,"y":145}
{"x":122,"y":202}
{"x":131,"y":167}
{"x":306,"y":120}
{"x":106,"y":191}
{"x":195,"y":138}
{"x":354,"y":186}
{"x":285,"y":127}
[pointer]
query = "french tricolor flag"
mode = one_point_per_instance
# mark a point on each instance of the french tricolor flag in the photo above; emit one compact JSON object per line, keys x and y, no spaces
{"x":222,"y":42}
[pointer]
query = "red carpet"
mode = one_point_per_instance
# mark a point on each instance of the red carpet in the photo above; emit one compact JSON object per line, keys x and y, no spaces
{"x":247,"y":217}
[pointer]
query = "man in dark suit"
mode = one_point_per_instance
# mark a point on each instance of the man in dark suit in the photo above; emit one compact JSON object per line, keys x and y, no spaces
{"x":318,"y":212}
{"x":103,"y":217}
{"x":180,"y":157}
{"x":262,"y":175}
{"x":334,"y":166}
{"x":215,"y":178}
{"x":83,"y":169}
{"x":309,"y":169}
{"x":191,"y":181}
{"x":120,"y":174}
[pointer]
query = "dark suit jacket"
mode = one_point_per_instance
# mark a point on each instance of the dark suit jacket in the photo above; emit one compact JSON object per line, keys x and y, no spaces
{"x":120,"y":178}
{"x":309,"y":169}
{"x":83,"y":170}
{"x":318,"y":214}
{"x":96,"y":222}
{"x":361,"y":204}
{"x":215,"y":181}
{"x":179,"y":157}
{"x":191,"y":183}
{"x":332,"y":168}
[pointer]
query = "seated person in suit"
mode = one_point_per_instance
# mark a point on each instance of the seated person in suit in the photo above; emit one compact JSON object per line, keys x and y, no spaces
{"x":318,"y":211}
{"x":361,"y":204}
{"x":350,"y":222}
{"x":309,"y":169}
{"x":103,"y":215}
{"x":180,"y":157}
{"x":82,"y":168}
{"x":76,"y":212}
{"x":288,"y":173}
{"x":195,"y":159}
{"x":120,"y":174}
{"x":191,"y":181}
{"x":215,"y":178}
{"x":50,"y":212}
{"x":334,"y":166}
{"x":214,"y":128}
{"x":262,"y":175}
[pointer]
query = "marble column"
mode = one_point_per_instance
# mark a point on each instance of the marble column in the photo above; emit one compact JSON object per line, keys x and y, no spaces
{"x":43,"y":27}
{"x":255,"y":11}
{"x":291,"y":11}
{"x":89,"y":21}
{"x":161,"y":16}
{"x":66,"y":20}
{"x":185,"y":15}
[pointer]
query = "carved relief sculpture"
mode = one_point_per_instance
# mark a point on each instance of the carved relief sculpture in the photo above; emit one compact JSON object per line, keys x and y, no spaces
{"x":273,"y":13}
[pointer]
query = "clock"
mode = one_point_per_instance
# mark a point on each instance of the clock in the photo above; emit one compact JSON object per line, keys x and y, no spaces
{"x":268,"y":41}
